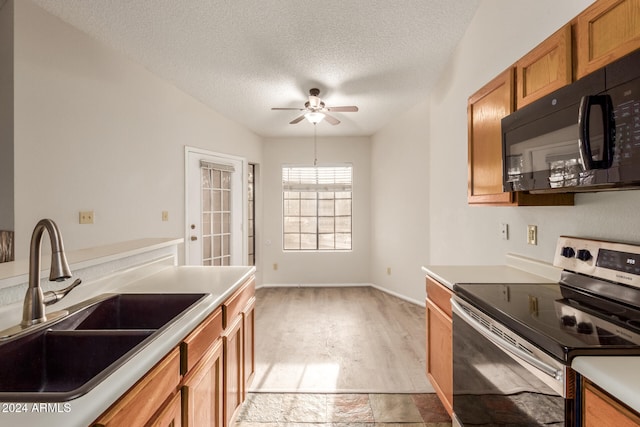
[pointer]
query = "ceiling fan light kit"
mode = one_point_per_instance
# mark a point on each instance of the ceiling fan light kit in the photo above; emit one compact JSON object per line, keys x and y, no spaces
{"x":315,"y":110}
{"x":314,"y":117}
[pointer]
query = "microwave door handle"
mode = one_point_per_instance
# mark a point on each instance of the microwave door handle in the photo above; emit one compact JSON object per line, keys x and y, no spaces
{"x":584,"y":139}
{"x":506,"y":345}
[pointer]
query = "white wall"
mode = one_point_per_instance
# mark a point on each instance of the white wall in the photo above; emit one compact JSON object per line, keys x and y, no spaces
{"x":315,"y":267}
{"x":400,"y":203}
{"x":501,"y":32}
{"x":96,"y":131}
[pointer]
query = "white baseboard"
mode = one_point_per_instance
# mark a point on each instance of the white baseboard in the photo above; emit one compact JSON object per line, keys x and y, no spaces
{"x":341,"y":285}
{"x":402,"y":297}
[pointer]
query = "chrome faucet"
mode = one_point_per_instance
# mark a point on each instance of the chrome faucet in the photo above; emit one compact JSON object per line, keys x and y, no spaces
{"x":35,"y":300}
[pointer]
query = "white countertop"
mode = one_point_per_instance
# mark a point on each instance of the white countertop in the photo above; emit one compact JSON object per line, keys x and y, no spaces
{"x":218,"y":282}
{"x":449,"y":275}
{"x":618,"y":375}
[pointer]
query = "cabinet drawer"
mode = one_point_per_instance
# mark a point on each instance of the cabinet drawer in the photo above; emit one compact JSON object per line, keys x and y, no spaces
{"x":198,"y":342}
{"x":440,"y":295}
{"x":234,"y":305}
{"x":142,"y":401}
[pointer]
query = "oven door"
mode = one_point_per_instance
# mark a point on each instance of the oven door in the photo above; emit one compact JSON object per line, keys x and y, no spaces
{"x":501,"y":379}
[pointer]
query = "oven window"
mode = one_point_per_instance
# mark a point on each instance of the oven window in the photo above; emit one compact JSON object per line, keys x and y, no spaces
{"x":491,"y":388}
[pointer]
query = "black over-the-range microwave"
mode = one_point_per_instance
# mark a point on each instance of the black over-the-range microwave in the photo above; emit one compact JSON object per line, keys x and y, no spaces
{"x":582,"y":137}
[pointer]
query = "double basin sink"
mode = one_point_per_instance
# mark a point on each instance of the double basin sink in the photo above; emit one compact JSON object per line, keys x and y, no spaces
{"x":71,"y":356}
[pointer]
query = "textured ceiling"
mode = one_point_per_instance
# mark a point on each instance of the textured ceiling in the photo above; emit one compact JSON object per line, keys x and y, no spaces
{"x":242,"y":57}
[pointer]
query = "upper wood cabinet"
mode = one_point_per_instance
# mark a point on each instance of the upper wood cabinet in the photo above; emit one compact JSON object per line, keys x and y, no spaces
{"x":485,"y":110}
{"x":606,"y":31}
{"x":544,"y":69}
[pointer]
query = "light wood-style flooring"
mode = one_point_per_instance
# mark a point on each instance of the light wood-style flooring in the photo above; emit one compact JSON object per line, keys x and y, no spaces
{"x":338,"y":340}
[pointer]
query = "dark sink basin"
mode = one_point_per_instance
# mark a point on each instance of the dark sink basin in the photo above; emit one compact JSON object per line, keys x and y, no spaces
{"x":61,"y":362}
{"x":73,"y":355}
{"x":130,"y":311}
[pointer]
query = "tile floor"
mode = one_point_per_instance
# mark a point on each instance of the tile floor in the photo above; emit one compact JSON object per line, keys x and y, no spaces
{"x":310,"y":410}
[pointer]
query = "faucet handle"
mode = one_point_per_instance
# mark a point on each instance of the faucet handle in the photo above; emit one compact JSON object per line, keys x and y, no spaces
{"x":52,"y":297}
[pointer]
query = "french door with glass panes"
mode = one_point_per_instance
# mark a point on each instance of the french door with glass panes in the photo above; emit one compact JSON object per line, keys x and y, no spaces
{"x":216,"y":209}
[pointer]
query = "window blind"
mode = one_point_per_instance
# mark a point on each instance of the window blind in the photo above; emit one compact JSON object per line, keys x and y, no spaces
{"x":317,"y":178}
{"x":217,"y":166}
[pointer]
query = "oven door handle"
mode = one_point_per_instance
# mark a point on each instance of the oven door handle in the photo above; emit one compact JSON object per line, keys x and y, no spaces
{"x":506,"y":345}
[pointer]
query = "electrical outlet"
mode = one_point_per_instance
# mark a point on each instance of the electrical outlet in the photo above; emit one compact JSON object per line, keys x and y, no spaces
{"x":532,"y":234}
{"x":86,"y":217}
{"x":165,"y":215}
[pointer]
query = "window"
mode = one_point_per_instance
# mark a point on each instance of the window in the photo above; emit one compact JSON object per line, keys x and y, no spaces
{"x":317,"y":204}
{"x":216,"y":213}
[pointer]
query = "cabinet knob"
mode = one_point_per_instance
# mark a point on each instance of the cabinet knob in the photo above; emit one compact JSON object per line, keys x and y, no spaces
{"x":194,"y":238}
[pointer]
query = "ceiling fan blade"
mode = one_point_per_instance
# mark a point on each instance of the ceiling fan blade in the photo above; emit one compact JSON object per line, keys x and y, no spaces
{"x":346,"y":109}
{"x":296,"y":120}
{"x":298,"y":109}
{"x":332,"y":120}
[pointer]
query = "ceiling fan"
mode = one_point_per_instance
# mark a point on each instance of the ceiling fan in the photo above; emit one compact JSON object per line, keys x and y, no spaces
{"x":315,"y":110}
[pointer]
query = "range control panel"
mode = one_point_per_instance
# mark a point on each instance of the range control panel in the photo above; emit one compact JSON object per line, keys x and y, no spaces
{"x":618,"y":262}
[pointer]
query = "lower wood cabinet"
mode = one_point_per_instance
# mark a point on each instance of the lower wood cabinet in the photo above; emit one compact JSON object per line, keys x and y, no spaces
{"x":233,"y":372}
{"x":204,"y":381}
{"x":151,"y":395}
{"x":248,"y":327}
{"x":202,"y":392}
{"x":602,"y":410}
{"x":440,"y":342}
{"x":171,"y":415}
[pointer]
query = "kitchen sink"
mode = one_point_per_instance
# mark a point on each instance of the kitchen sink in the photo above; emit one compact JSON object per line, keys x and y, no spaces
{"x":68,"y":358}
{"x":129,"y":311}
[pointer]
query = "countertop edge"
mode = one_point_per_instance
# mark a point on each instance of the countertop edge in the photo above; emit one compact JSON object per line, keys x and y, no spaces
{"x":617,"y":375}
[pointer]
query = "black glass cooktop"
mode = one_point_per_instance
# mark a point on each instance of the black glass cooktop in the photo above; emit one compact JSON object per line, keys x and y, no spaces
{"x":562,"y":321}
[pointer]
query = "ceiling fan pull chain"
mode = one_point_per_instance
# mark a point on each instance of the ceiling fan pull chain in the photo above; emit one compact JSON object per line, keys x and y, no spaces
{"x":315,"y":146}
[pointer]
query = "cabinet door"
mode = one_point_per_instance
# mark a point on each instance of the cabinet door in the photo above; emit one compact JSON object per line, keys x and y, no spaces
{"x":485,"y":110}
{"x":601,"y":410}
{"x":545,"y":69}
{"x":203,"y":392}
{"x":248,"y":326}
{"x":606,"y":31}
{"x":233,"y":367}
{"x":440,"y":354}
{"x":140,"y":403}
{"x":171,"y":416}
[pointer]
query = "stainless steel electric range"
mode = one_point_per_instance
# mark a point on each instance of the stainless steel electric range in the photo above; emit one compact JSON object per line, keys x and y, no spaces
{"x":513,"y":343}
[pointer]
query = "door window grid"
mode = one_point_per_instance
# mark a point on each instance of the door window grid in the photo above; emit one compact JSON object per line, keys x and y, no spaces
{"x":317,"y":208}
{"x":216,"y":216}
{"x":251,"y":215}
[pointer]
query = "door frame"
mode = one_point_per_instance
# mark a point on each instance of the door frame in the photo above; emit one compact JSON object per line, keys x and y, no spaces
{"x":243,"y":191}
